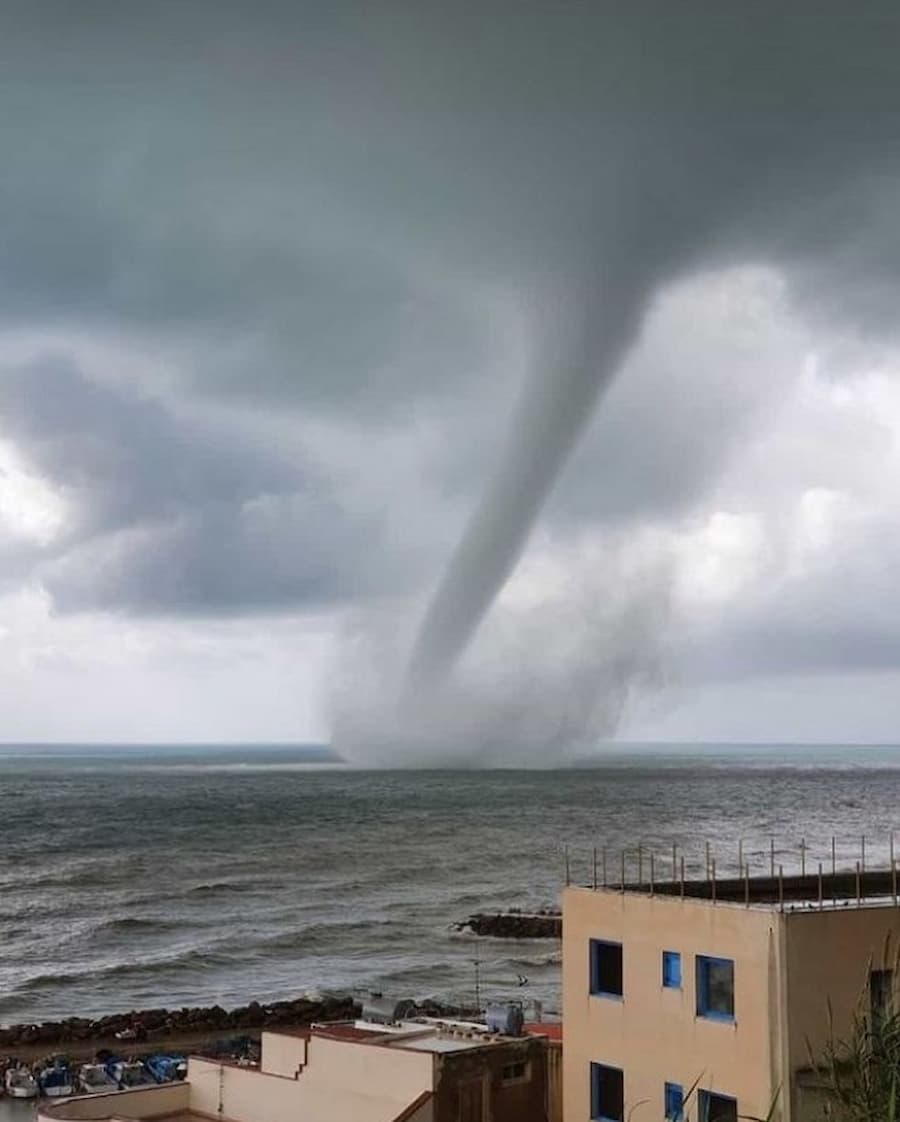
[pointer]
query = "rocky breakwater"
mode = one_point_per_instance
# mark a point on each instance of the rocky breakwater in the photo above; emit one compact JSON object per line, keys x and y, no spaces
{"x":159,"y":1025}
{"x":514,"y":925}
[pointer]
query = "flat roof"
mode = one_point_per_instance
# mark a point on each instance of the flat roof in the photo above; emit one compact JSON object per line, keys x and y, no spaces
{"x":841,"y":889}
{"x":424,"y":1034}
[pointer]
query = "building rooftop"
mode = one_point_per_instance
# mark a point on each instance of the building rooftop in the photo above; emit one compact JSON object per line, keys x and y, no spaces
{"x":841,"y":889}
{"x":424,"y":1034}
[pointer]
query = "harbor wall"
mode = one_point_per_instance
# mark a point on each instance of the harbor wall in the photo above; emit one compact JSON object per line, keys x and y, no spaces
{"x":143,"y":1102}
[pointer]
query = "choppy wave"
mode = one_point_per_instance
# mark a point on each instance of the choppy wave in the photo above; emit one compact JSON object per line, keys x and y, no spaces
{"x":230,"y":879}
{"x":195,"y":959}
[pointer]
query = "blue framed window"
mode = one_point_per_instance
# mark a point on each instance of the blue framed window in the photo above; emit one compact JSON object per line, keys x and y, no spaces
{"x":605,"y":968}
{"x":715,"y":988}
{"x":716,"y":1108}
{"x":671,"y":970}
{"x":674,"y":1099}
{"x":607,"y":1093}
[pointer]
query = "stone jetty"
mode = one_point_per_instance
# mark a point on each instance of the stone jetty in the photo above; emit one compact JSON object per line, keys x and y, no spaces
{"x":514,"y":925}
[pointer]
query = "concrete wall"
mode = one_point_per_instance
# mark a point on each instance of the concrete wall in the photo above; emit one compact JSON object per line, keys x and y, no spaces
{"x":341,"y":1082}
{"x":471,"y":1086}
{"x":554,"y":1076}
{"x":145,"y":1102}
{"x":420,"y":1111}
{"x":283,"y":1054}
{"x":653,"y":1033}
{"x":389,"y":1073}
{"x":829,"y":956}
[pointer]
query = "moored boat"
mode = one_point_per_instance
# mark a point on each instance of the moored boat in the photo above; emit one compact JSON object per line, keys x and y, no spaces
{"x":94,"y":1079}
{"x":56,"y":1081}
{"x":20,"y":1083}
{"x":129,"y":1073}
{"x":166,"y":1069}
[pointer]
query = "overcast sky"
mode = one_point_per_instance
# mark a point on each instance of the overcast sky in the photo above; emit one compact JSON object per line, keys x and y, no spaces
{"x":276,"y":278}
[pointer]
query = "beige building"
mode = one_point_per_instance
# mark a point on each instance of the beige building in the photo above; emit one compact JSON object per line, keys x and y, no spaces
{"x":412,"y":1071}
{"x":702,"y":1003}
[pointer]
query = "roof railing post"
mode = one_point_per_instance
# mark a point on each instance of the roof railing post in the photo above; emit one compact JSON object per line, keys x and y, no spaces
{"x":833,"y":871}
{"x":674,"y":863}
{"x":781,"y":888}
{"x":894,"y":880}
{"x":713,"y":887}
{"x":682,"y":875}
{"x":651,"y":873}
{"x":858,"y":884}
{"x":747,"y":885}
{"x":820,"y":886}
{"x":622,"y":886}
{"x":772,"y":858}
{"x":595,"y":868}
{"x":604,"y":867}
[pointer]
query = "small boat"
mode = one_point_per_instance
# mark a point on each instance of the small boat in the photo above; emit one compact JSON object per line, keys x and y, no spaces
{"x":56,"y":1081}
{"x":21,"y":1084}
{"x":94,"y":1079}
{"x":166,"y":1069}
{"x":129,"y":1073}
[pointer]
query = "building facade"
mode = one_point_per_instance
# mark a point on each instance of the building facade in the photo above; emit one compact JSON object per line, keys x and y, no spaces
{"x":696,"y":1008}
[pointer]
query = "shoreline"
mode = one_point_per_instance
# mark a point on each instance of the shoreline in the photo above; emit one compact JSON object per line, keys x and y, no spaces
{"x":184,"y":1030}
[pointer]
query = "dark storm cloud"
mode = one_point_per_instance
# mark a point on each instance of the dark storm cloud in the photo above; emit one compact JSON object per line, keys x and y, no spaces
{"x":172,"y":514}
{"x":313,"y":200}
{"x":125,"y":459}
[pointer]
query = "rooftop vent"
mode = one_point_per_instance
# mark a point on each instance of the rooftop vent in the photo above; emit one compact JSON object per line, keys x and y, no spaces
{"x":386,"y":1010}
{"x":508,"y":1020}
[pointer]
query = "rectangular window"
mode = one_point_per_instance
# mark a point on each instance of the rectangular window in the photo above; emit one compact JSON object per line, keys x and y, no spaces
{"x":715,"y":988}
{"x":671,"y":970}
{"x":606,"y":968}
{"x":881,"y":988}
{"x":607,"y":1093}
{"x":717,"y":1108}
{"x":674,"y":1102}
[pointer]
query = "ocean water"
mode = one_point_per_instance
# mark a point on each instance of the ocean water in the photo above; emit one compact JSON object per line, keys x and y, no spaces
{"x":148,"y":877}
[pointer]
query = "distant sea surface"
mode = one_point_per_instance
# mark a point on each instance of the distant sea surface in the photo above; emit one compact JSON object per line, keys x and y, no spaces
{"x":132,"y":878}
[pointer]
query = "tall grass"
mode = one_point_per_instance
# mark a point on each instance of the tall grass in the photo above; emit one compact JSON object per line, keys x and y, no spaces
{"x":861,"y":1069}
